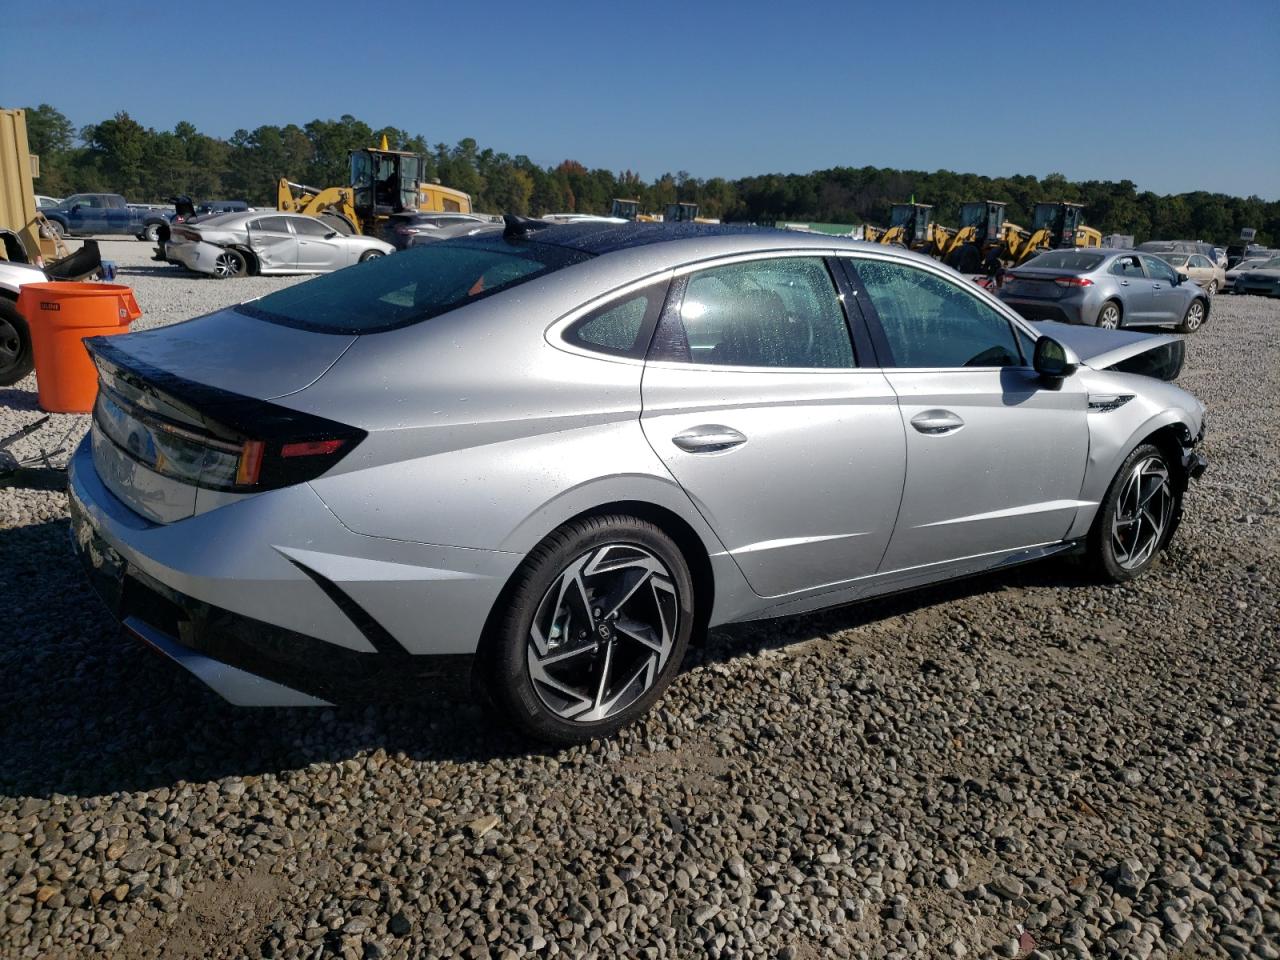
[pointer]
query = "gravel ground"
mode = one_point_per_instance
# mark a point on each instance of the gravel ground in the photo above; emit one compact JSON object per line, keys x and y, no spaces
{"x":1021,"y":764}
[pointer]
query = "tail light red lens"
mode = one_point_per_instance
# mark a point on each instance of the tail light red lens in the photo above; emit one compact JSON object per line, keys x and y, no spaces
{"x":312,"y":448}
{"x":1073,"y":282}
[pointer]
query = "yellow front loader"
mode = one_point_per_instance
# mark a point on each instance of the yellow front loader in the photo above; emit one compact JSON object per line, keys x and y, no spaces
{"x":383,"y":182}
{"x":911,"y":225}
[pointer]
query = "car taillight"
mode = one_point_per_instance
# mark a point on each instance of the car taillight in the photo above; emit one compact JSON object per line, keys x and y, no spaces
{"x":210,"y":438}
{"x":1073,"y":282}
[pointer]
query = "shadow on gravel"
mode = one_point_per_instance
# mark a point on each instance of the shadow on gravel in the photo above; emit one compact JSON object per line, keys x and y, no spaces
{"x":87,"y":709}
{"x":19,"y":400}
{"x":34,"y":478}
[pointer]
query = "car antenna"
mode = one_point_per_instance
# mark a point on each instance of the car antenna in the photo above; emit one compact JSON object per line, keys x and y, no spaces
{"x":519,"y":227}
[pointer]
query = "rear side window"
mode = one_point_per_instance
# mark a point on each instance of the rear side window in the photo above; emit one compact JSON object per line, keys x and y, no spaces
{"x":931,"y":323}
{"x":621,"y":328}
{"x":1127,"y":267}
{"x":271,"y":225}
{"x":780,"y":312}
{"x":420,"y":283}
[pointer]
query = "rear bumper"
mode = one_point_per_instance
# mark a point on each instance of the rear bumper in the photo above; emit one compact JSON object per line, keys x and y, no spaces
{"x":1057,"y":310}
{"x":337,"y":618}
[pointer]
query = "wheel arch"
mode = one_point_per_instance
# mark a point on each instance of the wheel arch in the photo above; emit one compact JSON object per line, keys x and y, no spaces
{"x":250,"y":258}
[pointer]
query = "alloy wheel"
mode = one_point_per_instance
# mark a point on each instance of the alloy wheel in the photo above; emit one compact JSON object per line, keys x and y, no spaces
{"x":1110,"y":317}
{"x":603,"y":632}
{"x":1195,"y":315}
{"x":227,"y":265}
{"x":1142,"y":514}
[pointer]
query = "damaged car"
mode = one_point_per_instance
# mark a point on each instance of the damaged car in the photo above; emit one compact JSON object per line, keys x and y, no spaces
{"x":546,"y":460}
{"x":235,"y":244}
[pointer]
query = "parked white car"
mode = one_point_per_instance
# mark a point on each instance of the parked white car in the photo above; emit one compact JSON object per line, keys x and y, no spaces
{"x":235,"y":244}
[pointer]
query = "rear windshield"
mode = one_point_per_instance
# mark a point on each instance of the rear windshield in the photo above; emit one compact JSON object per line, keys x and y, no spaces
{"x":407,"y":287}
{"x":1066,"y":260}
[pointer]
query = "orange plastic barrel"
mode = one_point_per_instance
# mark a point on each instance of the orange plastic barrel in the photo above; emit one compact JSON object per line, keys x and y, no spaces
{"x":61,"y":315}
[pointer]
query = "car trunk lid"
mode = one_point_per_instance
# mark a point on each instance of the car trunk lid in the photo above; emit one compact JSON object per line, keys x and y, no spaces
{"x":176,"y":405}
{"x":1038,"y":285}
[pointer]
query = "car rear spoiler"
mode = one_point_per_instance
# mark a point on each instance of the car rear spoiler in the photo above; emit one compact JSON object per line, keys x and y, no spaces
{"x":85,"y":262}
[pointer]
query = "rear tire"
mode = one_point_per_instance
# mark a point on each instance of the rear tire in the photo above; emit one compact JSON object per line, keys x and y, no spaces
{"x":229,"y":264}
{"x":1193,"y":319}
{"x":1137,"y":517}
{"x":1110,"y":316}
{"x":58,"y":229}
{"x":15,"y":345}
{"x":590,"y":631}
{"x":371,"y":255}
{"x":1212,"y":288}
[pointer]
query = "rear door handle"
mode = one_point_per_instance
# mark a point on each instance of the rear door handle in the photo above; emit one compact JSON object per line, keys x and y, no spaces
{"x":937,"y":422}
{"x":1124,"y":283}
{"x":708,"y":438}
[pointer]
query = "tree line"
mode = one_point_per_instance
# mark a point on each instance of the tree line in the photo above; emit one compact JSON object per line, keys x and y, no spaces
{"x":120,"y":155}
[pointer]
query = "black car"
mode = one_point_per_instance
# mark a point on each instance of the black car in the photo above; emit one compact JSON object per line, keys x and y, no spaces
{"x":403,"y":229}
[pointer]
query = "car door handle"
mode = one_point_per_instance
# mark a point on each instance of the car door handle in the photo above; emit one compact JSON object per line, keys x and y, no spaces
{"x":1124,"y":283}
{"x":1155,"y":286}
{"x":708,"y":438}
{"x":937,"y":422}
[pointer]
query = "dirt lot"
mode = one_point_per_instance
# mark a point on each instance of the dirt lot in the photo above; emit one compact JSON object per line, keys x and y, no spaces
{"x":1018,"y":764}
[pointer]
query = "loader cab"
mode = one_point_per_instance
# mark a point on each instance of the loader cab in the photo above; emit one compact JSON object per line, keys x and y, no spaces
{"x":625,"y":210}
{"x":986,"y":217}
{"x":914,"y":219}
{"x":1061,"y":220}
{"x":680,"y":213}
{"x":384,"y":181}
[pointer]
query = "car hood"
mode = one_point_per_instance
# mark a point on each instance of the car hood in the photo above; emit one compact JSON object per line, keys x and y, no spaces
{"x":1100,"y":349}
{"x":14,"y":275}
{"x":234,"y":352}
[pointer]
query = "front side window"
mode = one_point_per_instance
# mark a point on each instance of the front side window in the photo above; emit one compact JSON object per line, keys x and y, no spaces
{"x":1157,"y":269}
{"x":930,"y":322}
{"x":780,"y":312}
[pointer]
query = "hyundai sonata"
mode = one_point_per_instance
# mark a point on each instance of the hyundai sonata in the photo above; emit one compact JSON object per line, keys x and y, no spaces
{"x":547,"y":459}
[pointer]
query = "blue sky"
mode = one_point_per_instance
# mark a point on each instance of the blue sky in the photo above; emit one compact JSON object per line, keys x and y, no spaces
{"x":1174,"y":96}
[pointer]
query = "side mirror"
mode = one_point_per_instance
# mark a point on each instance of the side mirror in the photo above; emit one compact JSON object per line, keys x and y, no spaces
{"x":1054,"y":361}
{"x":75,"y":207}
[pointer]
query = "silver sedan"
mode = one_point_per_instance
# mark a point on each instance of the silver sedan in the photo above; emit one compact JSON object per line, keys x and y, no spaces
{"x":546,"y":461}
{"x":235,"y":244}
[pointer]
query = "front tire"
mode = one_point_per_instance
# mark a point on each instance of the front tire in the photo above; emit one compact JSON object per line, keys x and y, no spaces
{"x":1109,"y":316}
{"x":15,"y":345}
{"x":229,"y":264}
{"x":151,"y":232}
{"x":58,"y":229}
{"x":1193,"y":319}
{"x":594,"y":626}
{"x":370,"y":255}
{"x":1137,"y":517}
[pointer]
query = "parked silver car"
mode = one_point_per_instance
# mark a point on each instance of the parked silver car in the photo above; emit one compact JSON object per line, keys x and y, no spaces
{"x":1264,"y":278}
{"x":1105,"y":288}
{"x":548,"y":460}
{"x":234,"y":244}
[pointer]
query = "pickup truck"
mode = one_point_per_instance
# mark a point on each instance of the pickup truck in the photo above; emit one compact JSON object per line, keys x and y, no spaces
{"x":93,"y":214}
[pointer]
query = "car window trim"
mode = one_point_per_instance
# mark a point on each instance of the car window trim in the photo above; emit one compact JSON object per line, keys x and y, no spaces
{"x":680,"y":282}
{"x":644,"y":337}
{"x":881,"y":340}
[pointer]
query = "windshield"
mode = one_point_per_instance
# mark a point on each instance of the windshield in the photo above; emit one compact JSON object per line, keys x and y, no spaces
{"x":1066,"y":260}
{"x":420,"y":283}
{"x":1174,"y":259}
